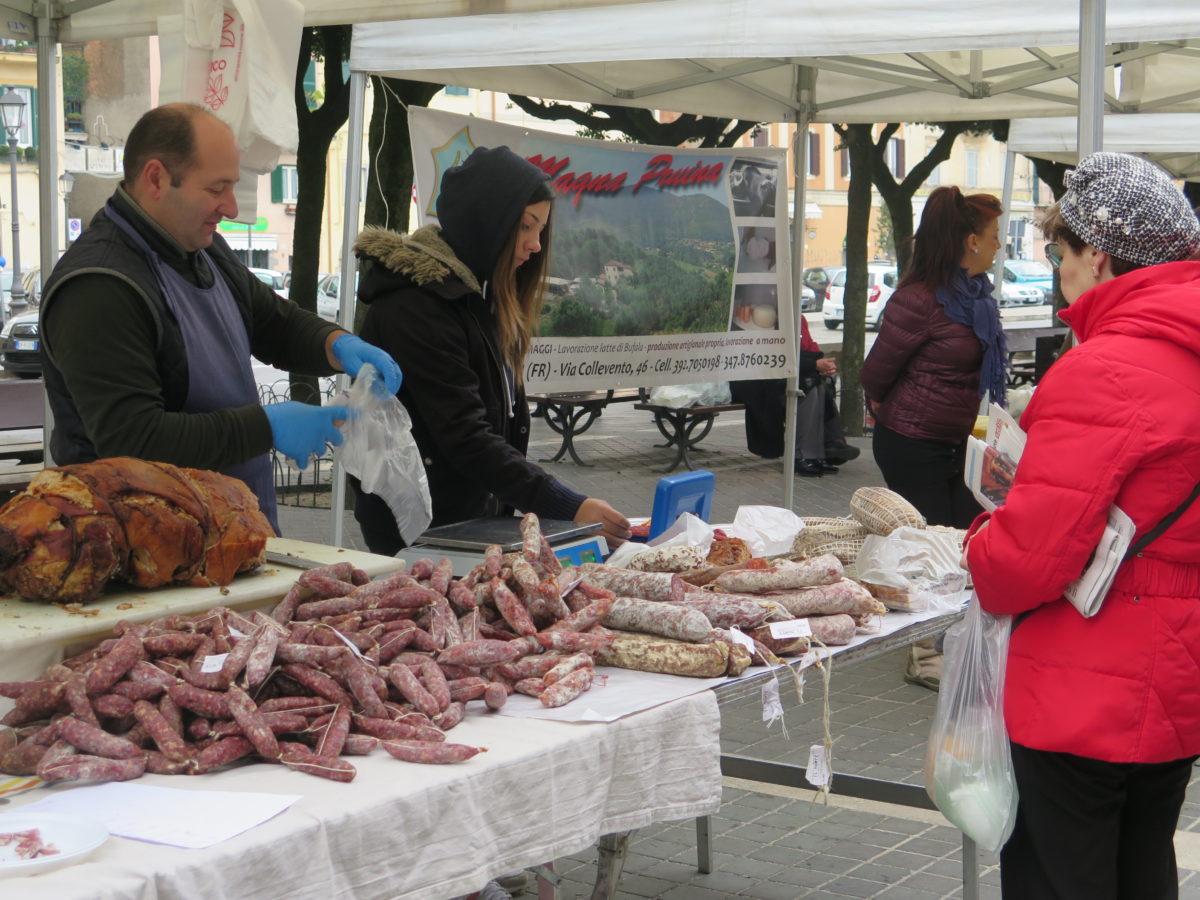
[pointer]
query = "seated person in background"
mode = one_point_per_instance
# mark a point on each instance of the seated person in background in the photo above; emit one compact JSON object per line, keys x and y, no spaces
{"x":820,"y":440}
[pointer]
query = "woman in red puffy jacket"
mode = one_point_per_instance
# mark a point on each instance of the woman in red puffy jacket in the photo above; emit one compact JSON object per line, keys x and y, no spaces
{"x":940,"y":349}
{"x":1103,"y":713}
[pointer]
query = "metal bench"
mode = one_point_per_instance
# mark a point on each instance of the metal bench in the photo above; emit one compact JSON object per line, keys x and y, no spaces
{"x":683,"y":422}
{"x":571,"y":414}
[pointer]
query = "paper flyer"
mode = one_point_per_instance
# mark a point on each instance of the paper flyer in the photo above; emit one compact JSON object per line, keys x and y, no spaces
{"x":991,"y":466}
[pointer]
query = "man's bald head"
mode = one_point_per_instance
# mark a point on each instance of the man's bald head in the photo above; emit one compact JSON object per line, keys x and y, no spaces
{"x":166,"y":133}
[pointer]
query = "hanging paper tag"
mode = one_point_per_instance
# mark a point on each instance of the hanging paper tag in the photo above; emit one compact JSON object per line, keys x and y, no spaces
{"x":792,"y":628}
{"x":212,"y":663}
{"x":237,"y":634}
{"x":772,"y":705}
{"x":817,"y":773}
{"x":741,"y":638}
{"x":809,"y":659}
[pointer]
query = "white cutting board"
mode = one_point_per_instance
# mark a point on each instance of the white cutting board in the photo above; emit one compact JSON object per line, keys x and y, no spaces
{"x":24,"y":624}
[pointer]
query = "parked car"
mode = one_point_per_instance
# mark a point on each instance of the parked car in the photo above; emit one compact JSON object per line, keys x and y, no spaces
{"x":881,"y":284}
{"x":31,"y":280}
{"x":808,"y":300}
{"x":327,"y":296}
{"x":19,"y":346}
{"x":1021,"y":275}
{"x":816,"y":278}
{"x":271,"y":278}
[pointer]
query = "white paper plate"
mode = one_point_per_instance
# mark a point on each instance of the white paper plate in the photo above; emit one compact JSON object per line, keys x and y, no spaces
{"x":73,"y":836}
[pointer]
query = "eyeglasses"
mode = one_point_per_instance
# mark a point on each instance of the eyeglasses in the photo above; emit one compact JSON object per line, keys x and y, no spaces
{"x":1054,"y":255}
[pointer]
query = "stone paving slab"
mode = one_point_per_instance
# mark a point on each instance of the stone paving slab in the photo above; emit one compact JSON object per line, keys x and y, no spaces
{"x":769,"y":842}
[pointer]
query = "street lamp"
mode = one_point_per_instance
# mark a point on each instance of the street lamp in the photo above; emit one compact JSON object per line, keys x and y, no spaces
{"x":12,"y":105}
{"x":66,"y":183}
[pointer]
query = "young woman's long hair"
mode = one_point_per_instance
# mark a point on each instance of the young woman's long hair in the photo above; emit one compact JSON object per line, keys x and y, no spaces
{"x":949,"y":217}
{"x":518,"y":292}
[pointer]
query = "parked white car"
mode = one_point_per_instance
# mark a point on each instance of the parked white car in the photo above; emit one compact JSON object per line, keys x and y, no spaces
{"x":881,"y":284}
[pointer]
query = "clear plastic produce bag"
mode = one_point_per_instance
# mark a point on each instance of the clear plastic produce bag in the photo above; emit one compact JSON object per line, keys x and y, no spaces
{"x":380,"y":451}
{"x":968,"y":766}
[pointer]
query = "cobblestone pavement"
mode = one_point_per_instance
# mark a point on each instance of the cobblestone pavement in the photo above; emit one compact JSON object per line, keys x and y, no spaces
{"x":778,"y":843}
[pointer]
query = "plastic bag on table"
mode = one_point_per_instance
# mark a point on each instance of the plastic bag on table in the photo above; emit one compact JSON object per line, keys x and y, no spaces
{"x":380,"y":451}
{"x":681,"y":396}
{"x":968,"y":765}
{"x":914,"y":569}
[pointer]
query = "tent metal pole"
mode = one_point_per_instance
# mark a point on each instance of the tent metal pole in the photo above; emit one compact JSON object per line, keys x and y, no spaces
{"x":50,"y":114}
{"x":347,"y":283}
{"x":1010,"y":159}
{"x":805,"y":87}
{"x":1091,"y":76}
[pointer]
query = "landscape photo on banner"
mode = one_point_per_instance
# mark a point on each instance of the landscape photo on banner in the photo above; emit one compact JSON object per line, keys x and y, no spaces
{"x":668,"y":265}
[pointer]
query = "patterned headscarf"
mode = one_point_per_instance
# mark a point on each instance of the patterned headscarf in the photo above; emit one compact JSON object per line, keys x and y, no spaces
{"x":1130,"y":208}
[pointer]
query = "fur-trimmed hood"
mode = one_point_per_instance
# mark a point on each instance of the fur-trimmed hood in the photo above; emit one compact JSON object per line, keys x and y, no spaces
{"x":422,"y":258}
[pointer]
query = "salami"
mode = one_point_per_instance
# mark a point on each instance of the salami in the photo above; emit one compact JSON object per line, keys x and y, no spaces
{"x":728,"y":610}
{"x":482,"y":653}
{"x":783,"y":577}
{"x":843,"y":596}
{"x":430,"y":753}
{"x":677,"y":558}
{"x":666,"y":619}
{"x":644,"y":585}
{"x":511,"y":608}
{"x":567,"y":688}
{"x":82,"y":767}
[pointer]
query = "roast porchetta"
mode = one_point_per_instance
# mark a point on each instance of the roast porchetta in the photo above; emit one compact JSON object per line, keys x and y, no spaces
{"x":146,"y":523}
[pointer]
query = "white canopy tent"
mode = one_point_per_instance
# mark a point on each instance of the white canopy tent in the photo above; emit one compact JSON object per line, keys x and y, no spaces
{"x":779,"y":61}
{"x":770,"y":60}
{"x":49,"y":23}
{"x":1170,"y":139}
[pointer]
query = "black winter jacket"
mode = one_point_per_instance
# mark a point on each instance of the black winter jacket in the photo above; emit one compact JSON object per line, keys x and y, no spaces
{"x":470,"y":422}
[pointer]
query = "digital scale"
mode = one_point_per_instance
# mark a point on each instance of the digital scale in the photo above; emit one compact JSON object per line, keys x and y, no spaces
{"x":463,"y":543}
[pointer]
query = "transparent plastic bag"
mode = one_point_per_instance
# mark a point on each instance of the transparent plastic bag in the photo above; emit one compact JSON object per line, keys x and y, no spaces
{"x":968,"y":765}
{"x":380,"y":451}
{"x":682,"y":396}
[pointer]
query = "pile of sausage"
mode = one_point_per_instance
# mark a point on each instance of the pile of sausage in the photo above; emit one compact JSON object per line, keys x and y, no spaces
{"x":341,"y":666}
{"x":751,"y":594}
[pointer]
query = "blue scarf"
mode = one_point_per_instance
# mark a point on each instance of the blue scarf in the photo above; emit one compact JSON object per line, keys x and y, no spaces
{"x":969,"y":301}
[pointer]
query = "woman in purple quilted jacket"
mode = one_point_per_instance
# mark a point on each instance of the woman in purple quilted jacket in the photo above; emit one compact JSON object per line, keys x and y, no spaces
{"x":940,"y":350}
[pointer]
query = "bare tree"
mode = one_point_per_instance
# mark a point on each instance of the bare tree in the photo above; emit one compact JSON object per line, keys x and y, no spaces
{"x":640,"y":124}
{"x":317,"y":127}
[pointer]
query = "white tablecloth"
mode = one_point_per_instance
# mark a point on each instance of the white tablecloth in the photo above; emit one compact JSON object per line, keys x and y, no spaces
{"x":542,"y":791}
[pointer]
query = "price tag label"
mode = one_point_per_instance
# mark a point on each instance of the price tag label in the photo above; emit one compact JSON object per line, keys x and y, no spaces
{"x":237,"y":634}
{"x":817,"y":772}
{"x":213,"y":663}
{"x":792,"y":628}
{"x":744,"y":639}
{"x":772,"y":705}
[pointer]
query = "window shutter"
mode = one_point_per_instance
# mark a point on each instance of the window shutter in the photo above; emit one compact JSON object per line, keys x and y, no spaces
{"x":33,"y":116}
{"x":277,"y":185}
{"x":814,"y":153}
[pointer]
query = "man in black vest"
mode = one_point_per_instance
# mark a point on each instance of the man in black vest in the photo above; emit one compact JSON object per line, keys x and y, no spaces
{"x":149,"y":321}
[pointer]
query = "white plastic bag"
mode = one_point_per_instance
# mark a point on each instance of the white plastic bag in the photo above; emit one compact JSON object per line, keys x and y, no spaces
{"x":681,"y":396}
{"x":914,"y":569}
{"x":968,"y":765}
{"x":380,"y":451}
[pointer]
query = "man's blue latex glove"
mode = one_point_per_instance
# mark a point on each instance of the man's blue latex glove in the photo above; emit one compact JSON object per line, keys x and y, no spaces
{"x":301,"y":430}
{"x":352,"y":351}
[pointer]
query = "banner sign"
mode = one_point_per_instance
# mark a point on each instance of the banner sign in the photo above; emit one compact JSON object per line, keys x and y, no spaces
{"x":669,"y":265}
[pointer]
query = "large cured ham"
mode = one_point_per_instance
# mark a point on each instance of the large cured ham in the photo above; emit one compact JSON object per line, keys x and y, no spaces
{"x":146,"y":523}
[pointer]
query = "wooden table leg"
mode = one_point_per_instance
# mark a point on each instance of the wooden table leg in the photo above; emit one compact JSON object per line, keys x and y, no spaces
{"x":613,"y":848}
